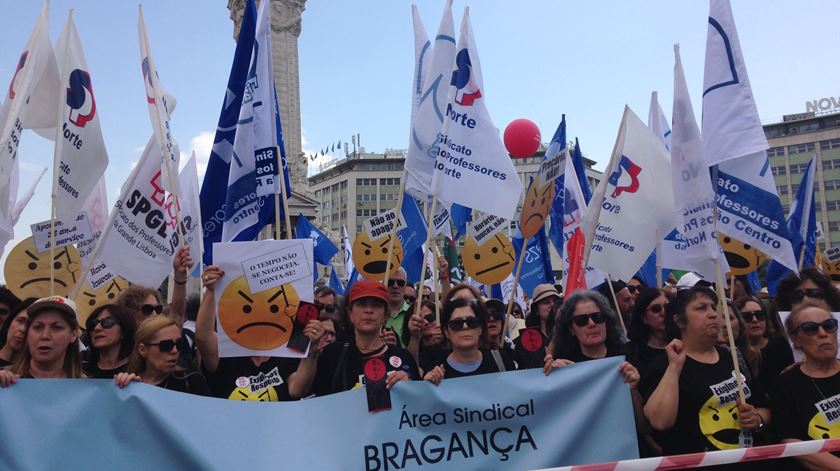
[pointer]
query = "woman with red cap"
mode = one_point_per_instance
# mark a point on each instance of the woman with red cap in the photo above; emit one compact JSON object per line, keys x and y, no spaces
{"x":341,"y":364}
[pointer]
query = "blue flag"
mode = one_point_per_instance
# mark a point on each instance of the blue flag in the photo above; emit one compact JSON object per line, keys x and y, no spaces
{"x":323,"y":248}
{"x":536,"y":268}
{"x":460,"y":215}
{"x":555,"y":231}
{"x":413,"y":236}
{"x":354,"y":277}
{"x":647,"y":273}
{"x":580,"y":170}
{"x":802,"y":229}
{"x":336,"y":284}
{"x":413,"y":265}
{"x":212,"y":194}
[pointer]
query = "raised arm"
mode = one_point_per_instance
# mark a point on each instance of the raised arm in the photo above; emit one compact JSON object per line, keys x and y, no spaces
{"x":181,"y":264}
{"x":205,"y":333}
{"x":661,"y":407}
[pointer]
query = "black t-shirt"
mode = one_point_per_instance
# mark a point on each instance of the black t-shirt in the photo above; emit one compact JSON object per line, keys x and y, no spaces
{"x":239,"y":379}
{"x":430,"y":357}
{"x":341,"y":366}
{"x":529,"y":348}
{"x":577,"y":356}
{"x":487,"y":365}
{"x":707,"y":417}
{"x":806,"y":408}
{"x":92,"y":370}
{"x":642,"y":356}
{"x":190,"y":383}
{"x":4,"y":363}
{"x":775,"y":357}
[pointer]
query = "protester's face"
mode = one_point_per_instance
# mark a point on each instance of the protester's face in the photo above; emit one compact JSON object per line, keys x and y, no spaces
{"x":494,"y":326}
{"x":754,"y":320}
{"x":410,"y":294}
{"x":4,"y":312}
{"x":104,"y":337}
{"x":655,"y":314}
{"x":329,"y":333}
{"x":427,"y":291}
{"x":432,"y":333}
{"x":701,"y":319}
{"x":822,"y":346}
{"x":327,"y":300}
{"x":625,"y":300}
{"x":592,"y":334}
{"x":739,"y":289}
{"x":49,"y":336}
{"x":544,"y":307}
{"x":396,"y":287}
{"x":808,"y":290}
{"x":367,"y":315}
{"x":156,"y":360}
{"x":723,"y":334}
{"x":17,"y":330}
{"x":465,"y":338}
{"x":139,"y":315}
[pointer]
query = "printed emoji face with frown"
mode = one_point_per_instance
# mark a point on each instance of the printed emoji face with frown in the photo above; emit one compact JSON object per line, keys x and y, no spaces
{"x":371,"y":256}
{"x":258,"y":321}
{"x":535,"y":207}
{"x":27,"y":271}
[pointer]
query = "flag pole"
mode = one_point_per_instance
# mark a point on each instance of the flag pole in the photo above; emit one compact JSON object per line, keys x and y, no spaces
{"x":728,"y":323}
{"x":513,"y":291}
{"x":732,"y":286}
{"x":615,"y":301}
{"x":802,"y":257}
{"x":393,"y":233}
{"x":658,"y":256}
{"x":435,"y":282}
{"x":277,"y":197}
{"x":429,"y":232}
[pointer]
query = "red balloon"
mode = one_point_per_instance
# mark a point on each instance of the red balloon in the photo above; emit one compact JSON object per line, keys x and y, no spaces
{"x":522,"y":138}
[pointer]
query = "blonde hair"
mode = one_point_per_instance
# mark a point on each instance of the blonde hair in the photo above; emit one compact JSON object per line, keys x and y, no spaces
{"x":145,"y":331}
{"x":72,"y":356}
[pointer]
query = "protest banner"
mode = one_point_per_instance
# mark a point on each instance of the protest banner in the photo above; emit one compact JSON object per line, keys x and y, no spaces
{"x":451,"y":426}
{"x":384,"y":223}
{"x":484,"y":227}
{"x":258,"y":297}
{"x":62,"y":233}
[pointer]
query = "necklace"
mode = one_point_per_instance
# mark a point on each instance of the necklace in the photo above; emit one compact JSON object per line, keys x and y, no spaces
{"x":817,"y":387}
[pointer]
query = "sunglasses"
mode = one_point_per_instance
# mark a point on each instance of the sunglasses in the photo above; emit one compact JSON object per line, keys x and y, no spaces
{"x":166,"y":346}
{"x":583,"y":319}
{"x":750,"y":315}
{"x":495,"y":314}
{"x":430,"y":318}
{"x":813,"y":293}
{"x":410,"y":299}
{"x":393,"y":282}
{"x":633,"y":288}
{"x":464,"y":323}
{"x":657,"y":308}
{"x":147,"y":309}
{"x":324,"y":307}
{"x":813,"y":328}
{"x":106,"y":323}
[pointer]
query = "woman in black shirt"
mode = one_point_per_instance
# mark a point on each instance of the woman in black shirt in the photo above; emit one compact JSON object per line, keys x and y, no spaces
{"x":775,"y":352}
{"x":110,"y":329}
{"x":647,"y":332}
{"x":12,"y":333}
{"x":806,"y":400}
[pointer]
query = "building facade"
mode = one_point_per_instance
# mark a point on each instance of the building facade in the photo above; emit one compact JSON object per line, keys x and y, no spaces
{"x":793,"y":143}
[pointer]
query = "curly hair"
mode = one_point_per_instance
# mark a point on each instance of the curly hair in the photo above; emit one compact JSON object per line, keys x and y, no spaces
{"x":565,"y":344}
{"x":133,"y":296}
{"x":785,"y":291}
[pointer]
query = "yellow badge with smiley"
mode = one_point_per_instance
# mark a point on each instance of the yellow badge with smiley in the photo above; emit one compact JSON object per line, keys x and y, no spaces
{"x":258,"y":321}
{"x":538,"y":200}
{"x":371,"y":256}
{"x":490,"y":262}
{"x":27,"y":271}
{"x":742,"y":258}
{"x":89,"y":299}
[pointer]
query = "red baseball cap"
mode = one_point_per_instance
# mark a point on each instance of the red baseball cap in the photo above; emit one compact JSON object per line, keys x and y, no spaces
{"x":368,"y":289}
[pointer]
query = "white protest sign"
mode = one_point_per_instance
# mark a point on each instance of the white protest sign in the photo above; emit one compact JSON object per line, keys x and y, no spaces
{"x":485,"y":227}
{"x":383,"y":223}
{"x":99,"y":275}
{"x":260,"y":321}
{"x":832,"y":254}
{"x":798,"y":356}
{"x":65,"y":234}
{"x":552,"y":168}
{"x":441,"y":223}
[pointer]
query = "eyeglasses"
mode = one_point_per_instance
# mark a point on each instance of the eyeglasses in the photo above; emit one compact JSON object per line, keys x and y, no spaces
{"x":430,"y":318}
{"x":657,"y":308}
{"x":106,"y":323}
{"x":813,"y":328}
{"x":166,"y":346}
{"x":583,"y":319}
{"x":750,"y":315}
{"x":813,"y":293}
{"x":324,"y":307}
{"x":633,"y":288}
{"x":463,"y":323}
{"x":495,"y":314}
{"x":393,"y":282}
{"x":147,"y":309}
{"x":410,"y":299}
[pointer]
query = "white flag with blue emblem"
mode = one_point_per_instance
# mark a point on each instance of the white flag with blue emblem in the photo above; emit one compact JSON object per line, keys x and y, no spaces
{"x":633,"y":204}
{"x":80,"y":155}
{"x":472,"y":159}
{"x":430,"y":86}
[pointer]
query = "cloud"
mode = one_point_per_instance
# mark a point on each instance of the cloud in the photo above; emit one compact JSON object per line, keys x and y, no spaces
{"x":30,"y":167}
{"x":201,"y":144}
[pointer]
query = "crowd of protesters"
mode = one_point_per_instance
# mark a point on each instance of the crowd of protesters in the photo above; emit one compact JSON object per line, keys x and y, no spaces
{"x":679,"y":366}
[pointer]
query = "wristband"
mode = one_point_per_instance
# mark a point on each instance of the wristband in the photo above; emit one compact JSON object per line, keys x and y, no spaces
{"x":179,"y":282}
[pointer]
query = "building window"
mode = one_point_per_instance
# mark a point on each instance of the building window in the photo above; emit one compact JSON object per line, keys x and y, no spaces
{"x":834,"y":226}
{"x":359,"y":197}
{"x":802,"y":148}
{"x":358,"y":213}
{"x":775,"y":151}
{"x":783,"y":190}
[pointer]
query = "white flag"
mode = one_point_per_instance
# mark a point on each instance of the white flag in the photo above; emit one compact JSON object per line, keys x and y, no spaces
{"x":17,"y":205}
{"x":695,"y":200}
{"x":80,"y":156}
{"x":139,"y":241}
{"x":472,"y":160}
{"x":29,"y":103}
{"x":160,"y":105}
{"x":657,"y":122}
{"x":191,"y":208}
{"x":348,"y":253}
{"x":731,"y":127}
{"x":633,"y":204}
{"x":433,"y":70}
{"x":96,"y":209}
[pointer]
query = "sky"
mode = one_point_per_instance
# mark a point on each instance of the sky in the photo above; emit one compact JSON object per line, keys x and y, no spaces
{"x":540,"y":59}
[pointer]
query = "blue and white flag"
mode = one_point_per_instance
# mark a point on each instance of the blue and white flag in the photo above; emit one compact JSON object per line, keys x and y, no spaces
{"x":336,"y":284}
{"x":580,"y":171}
{"x":216,"y":177}
{"x":253,"y":170}
{"x":802,"y":228}
{"x":323,"y":248}
{"x":349,"y":269}
{"x":461,"y":215}
{"x":536,"y":263}
{"x":413,"y":236}
{"x":555,"y":229}
{"x":472,"y":158}
{"x":413,"y":264}
{"x":427,"y":111}
{"x":731,"y":127}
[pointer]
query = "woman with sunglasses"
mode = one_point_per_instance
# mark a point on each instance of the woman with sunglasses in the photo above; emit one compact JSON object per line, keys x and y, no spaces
{"x":586,"y":330}
{"x":774,"y":352}
{"x":157,"y":344}
{"x":647,"y":333}
{"x":111,"y":332}
{"x":425,"y":339}
{"x":810,"y":284}
{"x":12,"y":332}
{"x":141,"y":302}
{"x":465,"y":324}
{"x":804,"y":399}
{"x":692,"y":395}
{"x":748,"y":356}
{"x":51,"y":343}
